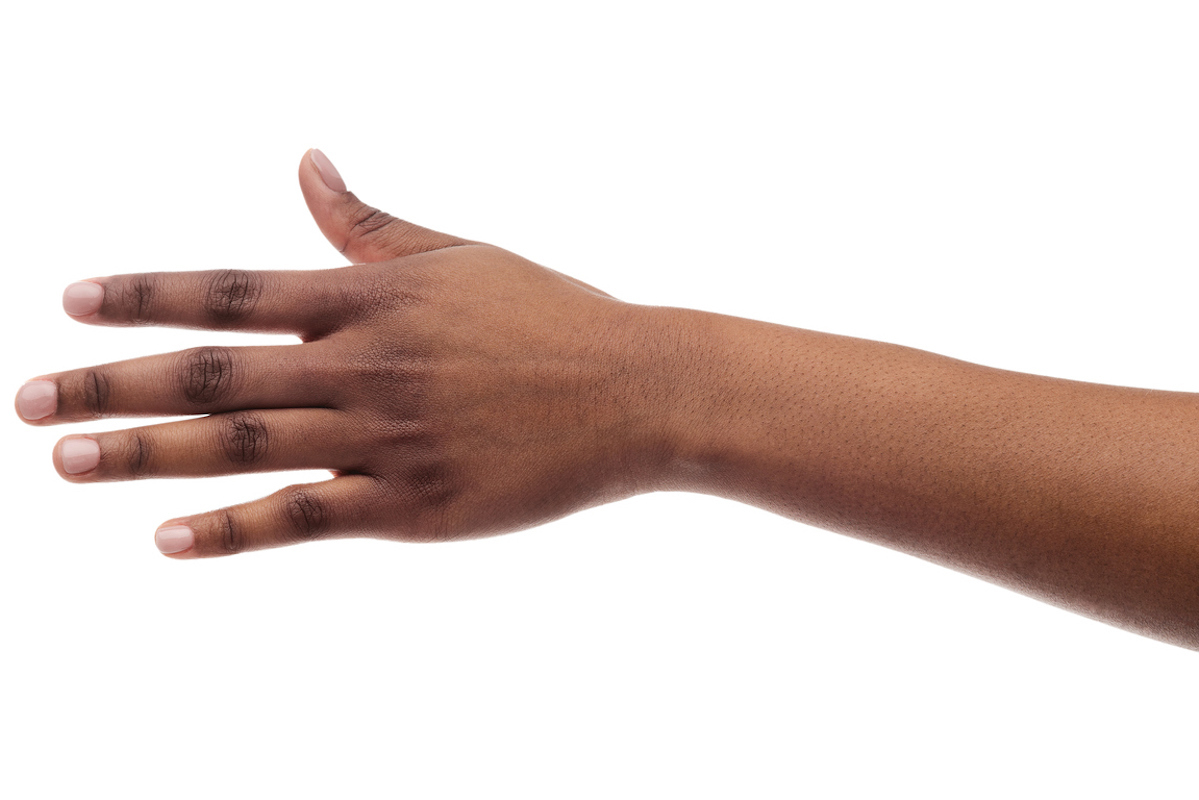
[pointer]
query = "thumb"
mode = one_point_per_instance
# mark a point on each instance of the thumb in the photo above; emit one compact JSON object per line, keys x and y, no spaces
{"x":360,"y":232}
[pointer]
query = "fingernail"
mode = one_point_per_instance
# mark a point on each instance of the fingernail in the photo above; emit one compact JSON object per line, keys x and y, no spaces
{"x":82,"y":297}
{"x":329,"y":173}
{"x":79,"y":455}
{"x":174,"y":539}
{"x":37,"y":399}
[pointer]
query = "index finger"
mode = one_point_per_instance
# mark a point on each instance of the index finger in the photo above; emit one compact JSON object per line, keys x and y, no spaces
{"x":305,"y":302}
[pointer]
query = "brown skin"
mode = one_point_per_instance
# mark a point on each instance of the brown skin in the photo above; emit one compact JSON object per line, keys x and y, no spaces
{"x":458,"y":390}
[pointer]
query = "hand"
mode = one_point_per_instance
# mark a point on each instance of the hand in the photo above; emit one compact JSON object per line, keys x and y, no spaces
{"x":453,"y":388}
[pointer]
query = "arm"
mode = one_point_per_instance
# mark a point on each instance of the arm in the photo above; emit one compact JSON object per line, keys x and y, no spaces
{"x":1082,"y":495}
{"x":456,"y":390}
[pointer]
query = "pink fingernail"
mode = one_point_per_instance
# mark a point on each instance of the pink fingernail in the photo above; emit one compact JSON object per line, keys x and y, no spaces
{"x":79,"y":455}
{"x":82,"y":297}
{"x":174,"y":539}
{"x":37,"y":399}
{"x":329,"y":173}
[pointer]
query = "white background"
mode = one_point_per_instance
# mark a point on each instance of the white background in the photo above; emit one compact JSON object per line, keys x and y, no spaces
{"x":1008,"y":183}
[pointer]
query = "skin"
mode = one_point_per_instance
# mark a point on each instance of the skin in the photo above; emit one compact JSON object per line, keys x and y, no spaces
{"x":457,"y":390}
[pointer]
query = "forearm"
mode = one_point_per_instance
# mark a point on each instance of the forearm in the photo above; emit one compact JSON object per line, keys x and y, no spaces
{"x":1083,"y":495}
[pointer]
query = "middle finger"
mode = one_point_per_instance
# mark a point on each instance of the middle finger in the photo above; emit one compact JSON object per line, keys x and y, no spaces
{"x":202,"y":380}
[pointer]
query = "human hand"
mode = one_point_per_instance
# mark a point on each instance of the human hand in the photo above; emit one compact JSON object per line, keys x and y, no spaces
{"x":454,"y":389}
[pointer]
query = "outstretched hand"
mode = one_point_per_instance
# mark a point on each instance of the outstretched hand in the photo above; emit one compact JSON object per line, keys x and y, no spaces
{"x":453,"y":388}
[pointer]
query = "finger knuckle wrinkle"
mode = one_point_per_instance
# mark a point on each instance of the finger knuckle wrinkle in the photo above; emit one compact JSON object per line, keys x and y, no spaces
{"x":370,"y":222}
{"x":207,"y":375}
{"x":306,"y":513}
{"x":230,"y":295}
{"x":138,"y":456}
{"x":136,"y":298}
{"x":245,"y":438}
{"x":231,"y":538}
{"x":96,"y":392}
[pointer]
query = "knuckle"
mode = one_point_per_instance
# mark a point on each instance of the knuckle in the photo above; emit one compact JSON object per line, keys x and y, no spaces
{"x":95,"y":392}
{"x":206,"y":375}
{"x":401,"y":364}
{"x":135,"y":297}
{"x":307,"y":514}
{"x":138,"y":453}
{"x":368,"y":222}
{"x":430,"y":493}
{"x":244,"y":438}
{"x":411,"y":433}
{"x":431,"y":484}
{"x":230,"y":295}
{"x":230,"y":538}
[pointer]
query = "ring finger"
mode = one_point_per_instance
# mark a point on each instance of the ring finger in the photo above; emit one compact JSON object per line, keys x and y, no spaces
{"x":220,"y":444}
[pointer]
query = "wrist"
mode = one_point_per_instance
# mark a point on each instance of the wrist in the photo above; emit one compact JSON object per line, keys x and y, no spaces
{"x":684,"y":398}
{"x":732,"y":397}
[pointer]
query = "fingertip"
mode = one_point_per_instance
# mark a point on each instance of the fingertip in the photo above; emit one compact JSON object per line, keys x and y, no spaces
{"x":82,"y":298}
{"x":306,"y":166}
{"x":175,"y":539}
{"x":325,"y":199}
{"x":329,"y":174}
{"x":37,"y":400}
{"x":75,"y":457}
{"x":56,"y":459}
